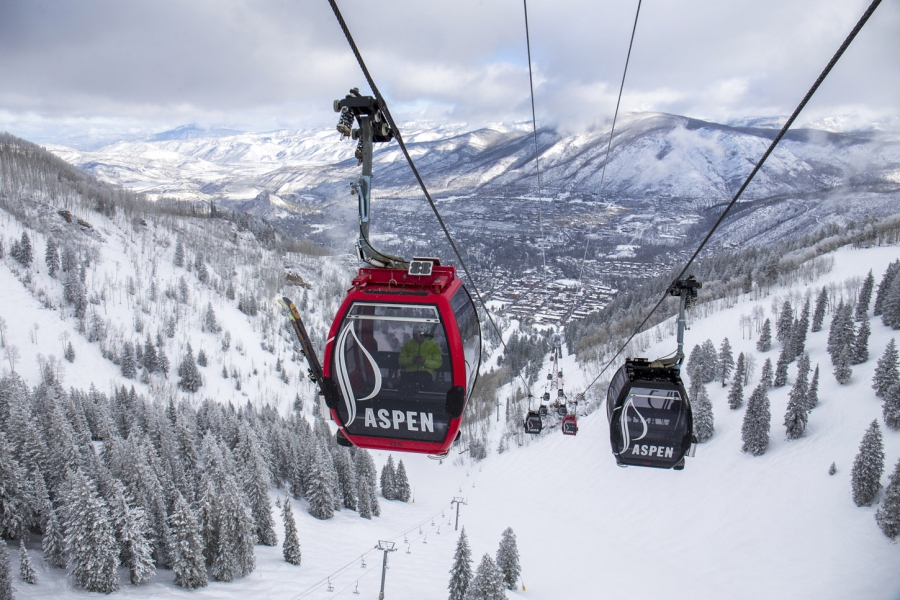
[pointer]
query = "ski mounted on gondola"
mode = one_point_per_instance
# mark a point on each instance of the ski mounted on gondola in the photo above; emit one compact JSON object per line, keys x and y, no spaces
{"x":326,"y":386}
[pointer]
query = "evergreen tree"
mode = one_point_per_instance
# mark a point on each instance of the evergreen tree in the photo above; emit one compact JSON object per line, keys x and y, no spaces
{"x":726,"y":362}
{"x":736,"y":394}
{"x":796,"y":416}
{"x":132,"y":531}
{"x":186,"y":546}
{"x":291,"y":546}
{"x":129,"y":369}
{"x":90,"y":543}
{"x":798,"y":333}
{"x":710,"y":362}
{"x":865,"y":477}
{"x":781,"y":370}
{"x":812,"y":396}
{"x":346,"y":477}
{"x":886,"y":371}
{"x":488,"y":582}
{"x":886,"y":281}
{"x":842,"y":332}
{"x":508,"y":559}
{"x":891,"y":407}
{"x":74,"y":294}
{"x":15,"y":492}
{"x":401,"y":483}
{"x":6,"y":587}
{"x":388,"y":488}
{"x":151,"y":360}
{"x":461,"y":572}
{"x":26,"y":571}
{"x":201,"y":358}
{"x":210,"y":323}
{"x":785,"y":323}
{"x":861,"y":344}
{"x":757,"y":422}
{"x":320,"y":492}
{"x":693,"y":367}
{"x":764,"y":343}
{"x":819,"y":313}
{"x":53,"y":543}
{"x":888,"y":515}
{"x":200,"y":269}
{"x":363,"y":495}
{"x":190,"y":378}
{"x":842,"y":370}
{"x":51,"y":257}
{"x":766,"y":377}
{"x":22,"y":251}
{"x":865,"y":297}
{"x":256,"y":477}
{"x":69,"y":353}
{"x":891,"y":309}
{"x":704,"y":425}
{"x":179,"y":253}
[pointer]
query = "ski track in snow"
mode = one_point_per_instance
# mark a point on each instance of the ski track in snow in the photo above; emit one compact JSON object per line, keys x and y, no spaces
{"x":729,"y":526}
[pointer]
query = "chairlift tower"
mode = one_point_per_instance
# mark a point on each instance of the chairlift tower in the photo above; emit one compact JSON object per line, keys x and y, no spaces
{"x":457,"y":501}
{"x":384,"y":547}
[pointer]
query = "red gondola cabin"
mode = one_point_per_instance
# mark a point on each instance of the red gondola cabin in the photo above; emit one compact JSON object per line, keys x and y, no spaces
{"x":402,"y":357}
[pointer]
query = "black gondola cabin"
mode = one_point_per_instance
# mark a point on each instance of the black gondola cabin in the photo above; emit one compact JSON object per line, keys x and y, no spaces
{"x":650,"y":419}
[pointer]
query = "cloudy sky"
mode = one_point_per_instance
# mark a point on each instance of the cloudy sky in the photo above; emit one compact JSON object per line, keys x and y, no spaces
{"x":89,"y":67}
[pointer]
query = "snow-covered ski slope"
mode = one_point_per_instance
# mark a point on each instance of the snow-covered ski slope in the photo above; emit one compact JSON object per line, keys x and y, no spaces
{"x":729,"y":526}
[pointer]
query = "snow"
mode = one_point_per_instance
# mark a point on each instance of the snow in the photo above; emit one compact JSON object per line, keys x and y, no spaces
{"x":730,"y":525}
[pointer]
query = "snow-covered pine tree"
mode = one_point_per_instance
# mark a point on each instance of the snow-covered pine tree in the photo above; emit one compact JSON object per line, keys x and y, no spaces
{"x":69,"y":353}
{"x":842,"y":332}
{"x":488,"y":582}
{"x":710,"y":362}
{"x":726,"y":362}
{"x":891,"y":407}
{"x":190,"y":379}
{"x":363,"y":497}
{"x":704,"y":425}
{"x":132,"y":530}
{"x":178,"y":261}
{"x":796,"y":416}
{"x":886,"y":370}
{"x":15,"y":493}
{"x":781,"y":369}
{"x":401,"y":483}
{"x":186,"y":546}
{"x":757,"y":422}
{"x":785,"y":323}
{"x":210,"y":323}
{"x":371,"y":473}
{"x":767,"y":375}
{"x":129,"y":368}
{"x":22,"y":250}
{"x":798,"y":333}
{"x":861,"y":344}
{"x":819,"y":314}
{"x":891,"y":308}
{"x":812,"y":396}
{"x":26,"y":570}
{"x":51,"y":257}
{"x":736,"y":394}
{"x":53,"y":542}
{"x":255,"y":477}
{"x":151,"y":359}
{"x":868,"y":466}
{"x":740,"y":369}
{"x":508,"y":559}
{"x":865,"y":297}
{"x":319,"y":490}
{"x":346,"y":477}
{"x":764,"y":343}
{"x":461,"y":571}
{"x":291,"y":546}
{"x":694,"y":365}
{"x":388,"y":488}
{"x":6,"y":586}
{"x":884,"y":286}
{"x":888,"y":515}
{"x":90,"y":543}
{"x":842,"y":370}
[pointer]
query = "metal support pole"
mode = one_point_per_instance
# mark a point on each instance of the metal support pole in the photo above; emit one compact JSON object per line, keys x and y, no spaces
{"x":457,"y":501}
{"x":384,"y":547}
{"x":681,"y":325}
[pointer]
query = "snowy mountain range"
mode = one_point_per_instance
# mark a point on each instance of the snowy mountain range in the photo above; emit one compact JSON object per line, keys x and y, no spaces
{"x":666,"y":176}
